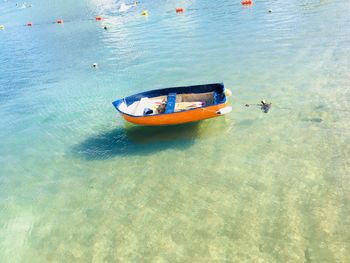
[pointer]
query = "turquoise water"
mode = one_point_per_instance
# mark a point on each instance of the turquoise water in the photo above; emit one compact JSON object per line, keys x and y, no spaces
{"x":79,"y":185}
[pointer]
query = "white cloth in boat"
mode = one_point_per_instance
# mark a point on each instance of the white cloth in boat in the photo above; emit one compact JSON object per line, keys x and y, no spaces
{"x":138,"y":107}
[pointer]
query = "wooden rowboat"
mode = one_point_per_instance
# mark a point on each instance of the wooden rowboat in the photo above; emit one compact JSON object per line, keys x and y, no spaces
{"x":177,"y":105}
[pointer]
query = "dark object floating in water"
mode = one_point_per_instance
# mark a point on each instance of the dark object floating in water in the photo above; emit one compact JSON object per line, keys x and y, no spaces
{"x":264,"y":106}
{"x":177,"y":105}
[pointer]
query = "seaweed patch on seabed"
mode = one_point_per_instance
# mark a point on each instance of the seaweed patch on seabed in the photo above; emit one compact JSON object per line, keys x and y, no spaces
{"x":136,"y":140}
{"x":312,"y":119}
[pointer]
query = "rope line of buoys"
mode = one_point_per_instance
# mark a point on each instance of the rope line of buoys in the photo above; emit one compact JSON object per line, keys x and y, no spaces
{"x":144,"y":13}
{"x":61,"y":21}
{"x":58,"y":21}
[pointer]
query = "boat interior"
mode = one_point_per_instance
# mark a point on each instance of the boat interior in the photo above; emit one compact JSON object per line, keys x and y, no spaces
{"x":170,"y":103}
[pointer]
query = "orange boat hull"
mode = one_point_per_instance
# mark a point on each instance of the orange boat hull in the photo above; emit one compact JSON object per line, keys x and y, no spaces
{"x":177,"y":117}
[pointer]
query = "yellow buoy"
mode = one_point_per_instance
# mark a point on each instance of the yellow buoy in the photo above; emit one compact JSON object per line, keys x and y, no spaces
{"x":228,"y":93}
{"x":144,"y":13}
{"x":2,"y":27}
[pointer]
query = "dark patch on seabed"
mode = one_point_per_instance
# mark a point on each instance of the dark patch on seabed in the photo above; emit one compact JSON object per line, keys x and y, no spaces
{"x":313,"y":119}
{"x":136,"y":140}
{"x":307,"y":256}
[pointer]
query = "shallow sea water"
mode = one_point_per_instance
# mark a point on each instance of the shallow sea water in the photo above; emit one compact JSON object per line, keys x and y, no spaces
{"x":77,"y":184}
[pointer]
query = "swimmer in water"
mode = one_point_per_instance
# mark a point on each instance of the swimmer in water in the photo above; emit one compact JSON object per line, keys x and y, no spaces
{"x":124,"y":7}
{"x":23,"y":5}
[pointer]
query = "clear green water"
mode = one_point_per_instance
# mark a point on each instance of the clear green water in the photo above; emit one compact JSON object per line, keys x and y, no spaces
{"x":78,"y":185}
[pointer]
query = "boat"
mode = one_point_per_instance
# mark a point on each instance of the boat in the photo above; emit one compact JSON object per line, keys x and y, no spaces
{"x":171,"y":106}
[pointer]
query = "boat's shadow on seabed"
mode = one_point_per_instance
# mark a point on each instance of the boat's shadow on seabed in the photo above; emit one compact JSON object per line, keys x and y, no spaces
{"x":136,"y":140}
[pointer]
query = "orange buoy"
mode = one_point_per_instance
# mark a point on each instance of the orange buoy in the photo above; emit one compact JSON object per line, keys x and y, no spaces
{"x":247,"y":2}
{"x":59,"y":21}
{"x":98,"y":18}
{"x":179,"y":10}
{"x":29,"y":24}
